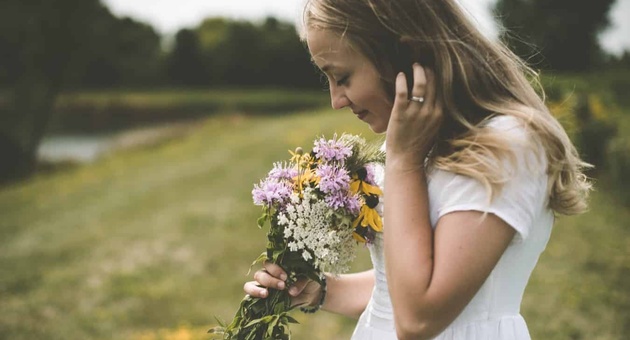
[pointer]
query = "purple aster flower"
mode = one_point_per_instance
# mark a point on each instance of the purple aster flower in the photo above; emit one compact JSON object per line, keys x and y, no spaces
{"x":331,"y":150}
{"x":369,"y":177}
{"x":270,"y":192}
{"x":332,"y":179}
{"x":343,"y":200}
{"x":282,"y":171}
{"x":353,"y":204}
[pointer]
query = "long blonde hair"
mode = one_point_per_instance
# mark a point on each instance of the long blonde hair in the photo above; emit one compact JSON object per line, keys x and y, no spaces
{"x":476,"y":78}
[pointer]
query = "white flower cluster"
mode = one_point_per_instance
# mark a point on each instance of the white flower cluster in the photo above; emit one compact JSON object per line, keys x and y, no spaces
{"x":311,"y":228}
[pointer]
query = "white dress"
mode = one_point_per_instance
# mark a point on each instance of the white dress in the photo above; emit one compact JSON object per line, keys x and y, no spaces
{"x":494,"y":312}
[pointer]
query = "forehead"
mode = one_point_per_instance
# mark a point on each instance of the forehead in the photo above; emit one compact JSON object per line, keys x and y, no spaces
{"x":329,"y":48}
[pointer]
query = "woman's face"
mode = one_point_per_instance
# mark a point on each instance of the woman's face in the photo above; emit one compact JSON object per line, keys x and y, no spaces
{"x":353,"y":80}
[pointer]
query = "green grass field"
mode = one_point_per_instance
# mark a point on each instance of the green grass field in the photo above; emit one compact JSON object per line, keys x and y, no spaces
{"x":152,"y":243}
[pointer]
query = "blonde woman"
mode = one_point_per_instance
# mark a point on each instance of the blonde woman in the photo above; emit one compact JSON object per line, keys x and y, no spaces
{"x":476,"y":170}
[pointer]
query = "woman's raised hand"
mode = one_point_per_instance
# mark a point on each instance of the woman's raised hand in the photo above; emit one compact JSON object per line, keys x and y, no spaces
{"x":304,"y":292}
{"x":414,"y":124}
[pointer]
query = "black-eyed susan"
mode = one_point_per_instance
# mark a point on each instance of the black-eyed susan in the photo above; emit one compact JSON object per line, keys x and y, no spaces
{"x":359,"y":185}
{"x":368,"y":218}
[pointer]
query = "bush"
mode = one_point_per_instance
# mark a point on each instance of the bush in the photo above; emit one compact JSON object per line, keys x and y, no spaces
{"x":588,"y":121}
{"x":618,"y":166}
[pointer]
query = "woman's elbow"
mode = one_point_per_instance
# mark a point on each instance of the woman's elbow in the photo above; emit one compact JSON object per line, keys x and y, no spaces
{"x":416,"y":331}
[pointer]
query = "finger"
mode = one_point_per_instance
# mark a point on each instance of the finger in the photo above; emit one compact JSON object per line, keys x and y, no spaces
{"x":297,"y":288}
{"x":429,"y":88}
{"x":400,"y":101}
{"x":265,"y":279}
{"x":275,"y":270}
{"x":253,"y":289}
{"x":419,"y":81}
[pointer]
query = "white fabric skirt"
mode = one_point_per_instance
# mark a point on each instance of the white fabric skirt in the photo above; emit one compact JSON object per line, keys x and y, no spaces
{"x":511,"y":327}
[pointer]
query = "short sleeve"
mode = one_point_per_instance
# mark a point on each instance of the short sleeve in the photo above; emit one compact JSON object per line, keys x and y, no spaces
{"x":520,"y":201}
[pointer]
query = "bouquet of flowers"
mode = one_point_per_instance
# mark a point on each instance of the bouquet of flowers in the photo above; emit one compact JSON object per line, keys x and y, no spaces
{"x":319,"y":205}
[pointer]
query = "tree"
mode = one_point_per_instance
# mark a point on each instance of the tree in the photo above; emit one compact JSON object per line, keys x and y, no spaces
{"x":565,"y":32}
{"x":127,"y":53}
{"x":41,"y":42}
{"x":46,"y":46}
{"x":185,"y":64}
{"x":240,"y":53}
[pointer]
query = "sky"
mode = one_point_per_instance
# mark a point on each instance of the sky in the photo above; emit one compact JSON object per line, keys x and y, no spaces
{"x":168,"y":16}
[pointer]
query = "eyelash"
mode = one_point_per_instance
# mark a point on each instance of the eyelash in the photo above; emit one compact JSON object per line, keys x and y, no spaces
{"x":343,"y":81}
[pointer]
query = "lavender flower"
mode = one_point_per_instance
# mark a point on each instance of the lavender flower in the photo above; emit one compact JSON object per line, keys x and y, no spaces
{"x":344,"y":200}
{"x":332,"y":150}
{"x":282,"y":171}
{"x":332,"y":179}
{"x":270,"y":192}
{"x":369,"y":178}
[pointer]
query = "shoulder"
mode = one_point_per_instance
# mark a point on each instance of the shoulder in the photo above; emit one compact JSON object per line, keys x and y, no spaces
{"x":512,"y":128}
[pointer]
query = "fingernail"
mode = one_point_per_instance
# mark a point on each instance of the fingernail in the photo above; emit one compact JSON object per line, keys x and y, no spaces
{"x":283,"y":277}
{"x":281,"y":285}
{"x":293,"y":291}
{"x":263,"y":293}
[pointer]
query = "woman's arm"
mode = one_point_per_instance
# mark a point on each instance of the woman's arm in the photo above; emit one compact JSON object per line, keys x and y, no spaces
{"x":431,"y":275}
{"x":349,"y":294}
{"x":346,"y":294}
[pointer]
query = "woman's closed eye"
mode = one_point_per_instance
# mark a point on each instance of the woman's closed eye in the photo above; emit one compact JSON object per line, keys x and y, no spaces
{"x":343,"y":80}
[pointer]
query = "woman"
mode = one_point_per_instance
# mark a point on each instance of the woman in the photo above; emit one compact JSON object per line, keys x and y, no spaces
{"x":476,"y":170}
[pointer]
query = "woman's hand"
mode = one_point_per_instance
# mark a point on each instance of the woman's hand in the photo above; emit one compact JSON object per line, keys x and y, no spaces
{"x":304,"y":292}
{"x":413,"y":126}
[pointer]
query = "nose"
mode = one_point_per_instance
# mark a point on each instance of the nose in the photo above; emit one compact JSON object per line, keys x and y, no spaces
{"x":338,"y":98}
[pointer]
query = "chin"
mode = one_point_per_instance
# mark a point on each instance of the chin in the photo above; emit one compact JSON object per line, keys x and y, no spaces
{"x":378,"y":128}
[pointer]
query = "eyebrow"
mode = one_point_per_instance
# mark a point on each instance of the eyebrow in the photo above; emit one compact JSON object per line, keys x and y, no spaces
{"x":327,"y":67}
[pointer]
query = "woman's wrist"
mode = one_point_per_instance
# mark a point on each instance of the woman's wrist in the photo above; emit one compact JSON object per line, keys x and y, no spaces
{"x":316,"y":304}
{"x":404,"y":164}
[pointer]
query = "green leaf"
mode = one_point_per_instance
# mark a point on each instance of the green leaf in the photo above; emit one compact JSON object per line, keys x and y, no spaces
{"x":216,"y":330}
{"x":271,"y":326}
{"x":265,"y":319}
{"x":260,"y":259}
{"x":291,"y":319}
{"x":220,"y":321}
{"x":261,"y":220}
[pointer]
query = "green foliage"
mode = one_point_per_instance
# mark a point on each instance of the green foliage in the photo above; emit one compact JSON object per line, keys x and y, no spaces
{"x":115,"y":109}
{"x":589,"y":114}
{"x":565,"y":32}
{"x":618,"y":166}
{"x":50,"y":45}
{"x":222,"y":52}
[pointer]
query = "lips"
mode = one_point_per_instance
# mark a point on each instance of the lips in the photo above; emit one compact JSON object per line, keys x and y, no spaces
{"x":361,"y":114}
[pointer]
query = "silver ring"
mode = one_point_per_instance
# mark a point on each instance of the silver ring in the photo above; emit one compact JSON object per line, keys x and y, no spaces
{"x":417,"y":99}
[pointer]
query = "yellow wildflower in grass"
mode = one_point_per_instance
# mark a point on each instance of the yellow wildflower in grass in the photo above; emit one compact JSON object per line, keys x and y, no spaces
{"x":183,"y":332}
{"x":597,"y":108}
{"x":564,"y":111}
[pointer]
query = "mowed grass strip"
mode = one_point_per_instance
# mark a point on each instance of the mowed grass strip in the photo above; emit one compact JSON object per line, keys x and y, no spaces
{"x":153,"y":243}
